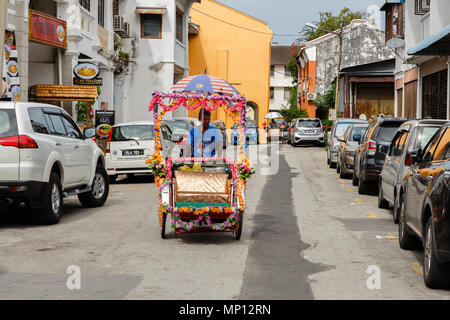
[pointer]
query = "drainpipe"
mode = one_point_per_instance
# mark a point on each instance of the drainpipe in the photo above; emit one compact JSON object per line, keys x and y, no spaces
{"x":419,"y":93}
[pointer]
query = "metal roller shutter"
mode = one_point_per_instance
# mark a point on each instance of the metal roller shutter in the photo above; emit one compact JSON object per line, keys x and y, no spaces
{"x":411,"y":100}
{"x":435,"y":95}
{"x":400,"y":102}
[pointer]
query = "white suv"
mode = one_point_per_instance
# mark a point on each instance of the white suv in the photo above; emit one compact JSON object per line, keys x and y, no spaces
{"x":44,"y":157}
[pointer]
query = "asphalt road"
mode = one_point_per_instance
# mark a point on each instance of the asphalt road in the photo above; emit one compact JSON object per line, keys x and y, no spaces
{"x":307,"y":235}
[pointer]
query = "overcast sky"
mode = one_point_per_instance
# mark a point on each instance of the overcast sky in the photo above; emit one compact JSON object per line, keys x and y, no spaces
{"x":289,"y":16}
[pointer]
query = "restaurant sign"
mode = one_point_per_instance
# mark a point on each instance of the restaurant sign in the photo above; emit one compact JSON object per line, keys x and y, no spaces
{"x":46,"y":29}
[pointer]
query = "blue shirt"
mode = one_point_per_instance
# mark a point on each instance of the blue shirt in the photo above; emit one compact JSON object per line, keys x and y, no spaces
{"x":211,"y":137}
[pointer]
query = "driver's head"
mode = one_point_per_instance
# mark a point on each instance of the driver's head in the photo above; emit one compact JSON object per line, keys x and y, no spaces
{"x":206,"y":118}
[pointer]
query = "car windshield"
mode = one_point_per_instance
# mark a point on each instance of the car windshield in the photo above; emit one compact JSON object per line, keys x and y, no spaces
{"x":387,"y":130}
{"x":308,"y":123}
{"x":178,"y":126}
{"x":250,"y":125}
{"x":8,"y":124}
{"x":341,"y":128}
{"x":132,"y":132}
{"x":356,"y":131}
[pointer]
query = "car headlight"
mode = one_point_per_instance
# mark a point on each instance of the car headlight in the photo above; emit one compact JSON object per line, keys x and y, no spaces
{"x":350,"y":153}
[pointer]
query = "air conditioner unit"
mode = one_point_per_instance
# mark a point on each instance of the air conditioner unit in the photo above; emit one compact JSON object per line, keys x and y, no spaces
{"x":118,"y":24}
{"x":310,"y":96}
{"x":126,"y":30}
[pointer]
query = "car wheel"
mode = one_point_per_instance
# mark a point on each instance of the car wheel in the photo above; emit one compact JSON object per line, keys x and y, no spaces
{"x":382,"y":202}
{"x":333,"y":165}
{"x":362,"y":185}
{"x":354,"y":179}
{"x":342,"y":174}
{"x":405,"y":240}
{"x":435,"y":274}
{"x":338,"y":167}
{"x":53,"y":202}
{"x":99,"y":192}
{"x":396,"y":212}
{"x":328,"y":159}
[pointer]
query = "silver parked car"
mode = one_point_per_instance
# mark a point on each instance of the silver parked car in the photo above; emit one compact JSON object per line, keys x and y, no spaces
{"x":346,"y":150}
{"x":181,"y":127}
{"x":308,"y":130}
{"x":410,"y":137}
{"x":337,"y":129}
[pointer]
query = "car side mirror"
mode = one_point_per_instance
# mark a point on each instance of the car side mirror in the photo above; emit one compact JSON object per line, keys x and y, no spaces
{"x":177,"y":139}
{"x":416,"y":156}
{"x":89,"y":133}
{"x":357,"y":137}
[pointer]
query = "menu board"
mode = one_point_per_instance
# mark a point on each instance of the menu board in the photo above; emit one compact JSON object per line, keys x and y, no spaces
{"x":10,"y":78}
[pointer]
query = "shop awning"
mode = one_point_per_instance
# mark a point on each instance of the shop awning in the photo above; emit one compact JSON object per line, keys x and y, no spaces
{"x":151,"y":10}
{"x":390,"y":3}
{"x":54,"y":92}
{"x":436,"y":45}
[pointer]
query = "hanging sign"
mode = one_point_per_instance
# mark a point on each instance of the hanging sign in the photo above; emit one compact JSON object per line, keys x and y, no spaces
{"x":46,"y":29}
{"x":10,"y":89}
{"x":86,"y":71}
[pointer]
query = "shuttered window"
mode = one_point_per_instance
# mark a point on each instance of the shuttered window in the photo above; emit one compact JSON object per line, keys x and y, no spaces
{"x":400,"y":102}
{"x":179,"y":25}
{"x":411,"y":99}
{"x":435,"y":95}
{"x":115,"y":7}
{"x":101,"y":12}
{"x":151,"y":26}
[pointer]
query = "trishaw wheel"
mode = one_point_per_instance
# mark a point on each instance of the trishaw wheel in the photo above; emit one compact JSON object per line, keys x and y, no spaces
{"x":163,"y":226}
{"x":238,"y":231}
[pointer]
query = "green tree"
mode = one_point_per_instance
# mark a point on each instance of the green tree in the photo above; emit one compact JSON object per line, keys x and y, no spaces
{"x":325,"y":102}
{"x":330,"y":22}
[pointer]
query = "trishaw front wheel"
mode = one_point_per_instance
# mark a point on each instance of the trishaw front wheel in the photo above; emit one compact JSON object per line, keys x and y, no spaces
{"x":163,"y":226}
{"x":238,"y":231}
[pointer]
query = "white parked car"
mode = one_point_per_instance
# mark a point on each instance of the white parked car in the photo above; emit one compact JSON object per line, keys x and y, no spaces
{"x":44,"y":157}
{"x":130,"y":144}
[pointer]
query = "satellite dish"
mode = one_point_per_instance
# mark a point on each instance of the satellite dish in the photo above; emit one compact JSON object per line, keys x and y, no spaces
{"x":395,"y":43}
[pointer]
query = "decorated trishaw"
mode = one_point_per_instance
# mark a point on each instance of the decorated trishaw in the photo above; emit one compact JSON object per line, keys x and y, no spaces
{"x":200,"y":194}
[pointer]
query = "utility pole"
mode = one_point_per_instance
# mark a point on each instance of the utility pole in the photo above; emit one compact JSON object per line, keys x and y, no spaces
{"x":3,"y":9}
{"x":336,"y":103}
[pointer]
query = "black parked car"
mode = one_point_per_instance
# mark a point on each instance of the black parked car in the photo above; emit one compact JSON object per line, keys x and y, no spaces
{"x":372,"y":150}
{"x":425,"y":205}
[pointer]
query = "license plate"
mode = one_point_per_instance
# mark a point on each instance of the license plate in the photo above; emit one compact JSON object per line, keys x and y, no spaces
{"x":309,"y":131}
{"x":132,"y":152}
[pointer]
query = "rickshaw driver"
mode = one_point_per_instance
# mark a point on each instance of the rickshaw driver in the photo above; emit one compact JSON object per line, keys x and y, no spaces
{"x":211,"y":146}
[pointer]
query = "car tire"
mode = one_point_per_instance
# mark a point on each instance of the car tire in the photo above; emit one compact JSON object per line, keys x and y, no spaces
{"x":99,"y":192}
{"x":333,"y":165}
{"x":405,"y":240}
{"x":112,"y":179}
{"x":354,"y":179}
{"x":382,"y":202}
{"x":338,"y":167}
{"x":342,"y":174}
{"x":328,"y":160}
{"x":396,"y":211}
{"x":435,"y":274}
{"x":362,"y":185}
{"x":51,"y":212}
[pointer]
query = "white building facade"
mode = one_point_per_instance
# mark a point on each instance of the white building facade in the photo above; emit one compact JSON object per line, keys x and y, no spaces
{"x":418,"y":30}
{"x":280,"y":78}
{"x":157,"y":45}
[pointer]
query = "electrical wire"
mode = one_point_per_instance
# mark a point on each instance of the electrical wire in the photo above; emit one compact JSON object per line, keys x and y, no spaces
{"x":244,"y":28}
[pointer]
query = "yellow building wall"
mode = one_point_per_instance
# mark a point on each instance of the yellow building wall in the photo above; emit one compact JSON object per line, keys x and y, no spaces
{"x":240,"y":56}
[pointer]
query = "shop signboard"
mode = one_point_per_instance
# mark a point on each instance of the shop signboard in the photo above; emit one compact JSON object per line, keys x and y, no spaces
{"x":10,"y":78}
{"x":46,"y":29}
{"x":104,"y":120}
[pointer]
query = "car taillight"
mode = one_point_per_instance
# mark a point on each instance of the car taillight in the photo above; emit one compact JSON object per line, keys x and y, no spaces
{"x":108,"y":143}
{"x":21,"y":142}
{"x":408,"y":161}
{"x":372,"y":147}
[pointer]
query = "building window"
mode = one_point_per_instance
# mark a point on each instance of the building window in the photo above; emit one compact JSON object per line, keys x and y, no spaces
{"x":101,"y":12}
{"x":272,"y":71}
{"x":115,"y":6}
{"x":434,"y":95}
{"x":287,"y":73}
{"x":179,"y":26}
{"x":422,"y":6}
{"x":287,"y":93}
{"x":86,"y":4}
{"x":151,"y":26}
{"x":272,"y":93}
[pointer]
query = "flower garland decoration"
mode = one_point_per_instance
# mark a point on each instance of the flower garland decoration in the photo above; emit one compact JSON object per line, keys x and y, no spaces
{"x":163,"y":170}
